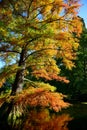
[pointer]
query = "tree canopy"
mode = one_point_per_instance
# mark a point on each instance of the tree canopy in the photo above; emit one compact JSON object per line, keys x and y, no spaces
{"x":34,"y":33}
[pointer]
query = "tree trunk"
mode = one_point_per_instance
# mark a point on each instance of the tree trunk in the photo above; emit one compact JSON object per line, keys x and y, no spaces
{"x":19,"y":79}
{"x":6,"y":107}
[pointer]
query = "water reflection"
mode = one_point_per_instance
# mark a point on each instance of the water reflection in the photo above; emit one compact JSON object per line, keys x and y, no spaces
{"x":73,"y":118}
{"x":44,"y":120}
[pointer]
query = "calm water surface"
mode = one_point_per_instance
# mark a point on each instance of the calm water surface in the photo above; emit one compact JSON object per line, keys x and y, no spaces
{"x":79,"y":114}
{"x":73,"y":118}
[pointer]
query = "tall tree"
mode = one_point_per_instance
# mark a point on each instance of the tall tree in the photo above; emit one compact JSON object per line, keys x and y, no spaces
{"x":33,"y":33}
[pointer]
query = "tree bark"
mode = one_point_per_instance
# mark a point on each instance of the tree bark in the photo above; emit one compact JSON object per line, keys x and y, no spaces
{"x":19,"y":79}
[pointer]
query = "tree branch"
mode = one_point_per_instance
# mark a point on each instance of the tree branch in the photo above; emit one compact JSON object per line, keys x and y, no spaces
{"x":44,"y":49}
{"x":2,"y":50}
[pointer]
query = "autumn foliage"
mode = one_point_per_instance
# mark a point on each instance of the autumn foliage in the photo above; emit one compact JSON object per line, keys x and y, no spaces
{"x":41,"y":98}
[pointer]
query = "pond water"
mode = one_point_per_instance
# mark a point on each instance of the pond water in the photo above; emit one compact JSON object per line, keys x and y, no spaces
{"x":73,"y":118}
{"x":78,"y":112}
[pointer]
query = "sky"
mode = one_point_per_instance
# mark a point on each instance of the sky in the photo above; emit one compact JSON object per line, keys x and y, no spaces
{"x":83,"y":11}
